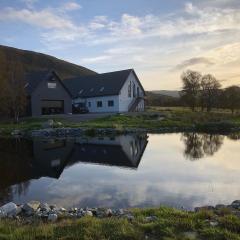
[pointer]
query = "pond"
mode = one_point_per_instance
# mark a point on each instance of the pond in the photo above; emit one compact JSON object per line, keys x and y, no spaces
{"x":180,"y":170}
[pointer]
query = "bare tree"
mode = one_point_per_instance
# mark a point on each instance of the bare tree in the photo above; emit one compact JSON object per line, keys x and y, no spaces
{"x":191,"y":86}
{"x":231,"y":96}
{"x":16,"y":94}
{"x":209,"y":92}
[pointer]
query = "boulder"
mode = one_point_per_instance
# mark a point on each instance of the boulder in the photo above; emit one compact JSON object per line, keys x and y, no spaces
{"x":108,"y":212}
{"x":88,"y":213}
{"x":236,"y":204}
{"x":31,"y":207}
{"x":52,"y":217}
{"x":9,"y":210}
{"x":44,"y":207}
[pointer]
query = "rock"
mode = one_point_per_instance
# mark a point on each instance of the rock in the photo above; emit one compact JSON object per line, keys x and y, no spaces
{"x":53,"y":206}
{"x":52,"y":217}
{"x":220,"y":206}
{"x":16,"y":132}
{"x":120,"y":212}
{"x":108,"y":212}
{"x":88,"y":213}
{"x":151,"y":218}
{"x":9,"y":210}
{"x":205,"y":208}
{"x":44,"y":207}
{"x":129,"y":217}
{"x":213,"y":223}
{"x":48,"y":124}
{"x":236,"y":204}
{"x":31,"y":207}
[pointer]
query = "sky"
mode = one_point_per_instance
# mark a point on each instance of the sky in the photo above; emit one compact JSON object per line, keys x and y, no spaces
{"x":160,"y":39}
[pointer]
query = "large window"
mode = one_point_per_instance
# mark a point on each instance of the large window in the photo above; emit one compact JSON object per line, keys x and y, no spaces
{"x":52,"y":85}
{"x":129,"y":89}
{"x":99,"y":104}
{"x":134,"y":90}
{"x":110,"y":103}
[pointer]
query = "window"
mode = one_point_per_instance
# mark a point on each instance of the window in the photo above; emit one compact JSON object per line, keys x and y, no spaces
{"x":52,"y":85}
{"x":89,"y":104}
{"x":134,"y":90}
{"x":99,"y":104}
{"x":129,"y":89}
{"x":110,"y":103}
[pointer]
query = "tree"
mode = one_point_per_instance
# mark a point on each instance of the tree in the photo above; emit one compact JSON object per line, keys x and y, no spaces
{"x":210,"y":88}
{"x":16,"y":91}
{"x":191,"y":87}
{"x":231,"y":96}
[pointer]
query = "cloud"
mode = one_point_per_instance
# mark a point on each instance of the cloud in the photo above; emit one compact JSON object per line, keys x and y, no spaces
{"x":71,"y":6}
{"x":96,"y":59}
{"x":45,"y":18}
{"x":194,"y":61}
{"x":29,"y":3}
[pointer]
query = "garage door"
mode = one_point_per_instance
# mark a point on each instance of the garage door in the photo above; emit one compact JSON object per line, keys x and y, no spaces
{"x":52,"y":107}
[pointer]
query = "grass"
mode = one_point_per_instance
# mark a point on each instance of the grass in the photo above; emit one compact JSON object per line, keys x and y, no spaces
{"x":169,"y":224}
{"x":154,"y":119}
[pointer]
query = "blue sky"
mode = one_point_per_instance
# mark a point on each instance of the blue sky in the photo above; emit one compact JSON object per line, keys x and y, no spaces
{"x":159,"y":39}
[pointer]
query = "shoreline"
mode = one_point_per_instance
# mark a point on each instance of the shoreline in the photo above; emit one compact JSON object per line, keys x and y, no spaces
{"x":221,"y":222}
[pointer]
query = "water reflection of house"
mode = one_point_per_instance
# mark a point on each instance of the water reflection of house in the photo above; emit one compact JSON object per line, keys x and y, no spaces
{"x":122,"y":151}
{"x":25,"y":160}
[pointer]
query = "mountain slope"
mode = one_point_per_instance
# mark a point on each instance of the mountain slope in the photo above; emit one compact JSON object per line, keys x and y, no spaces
{"x":170,"y":93}
{"x":31,"y":61}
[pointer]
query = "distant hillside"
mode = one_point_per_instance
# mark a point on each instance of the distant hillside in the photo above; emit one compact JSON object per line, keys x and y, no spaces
{"x":32,"y":61}
{"x":154,"y":98}
{"x":169,"y":93}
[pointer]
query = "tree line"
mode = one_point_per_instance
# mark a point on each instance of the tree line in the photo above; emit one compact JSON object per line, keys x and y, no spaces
{"x":205,"y":91}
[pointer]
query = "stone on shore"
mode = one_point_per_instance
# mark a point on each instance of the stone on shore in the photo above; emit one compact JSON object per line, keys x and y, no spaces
{"x":9,"y":210}
{"x":52,"y":217}
{"x":236,"y":204}
{"x":31,"y":207}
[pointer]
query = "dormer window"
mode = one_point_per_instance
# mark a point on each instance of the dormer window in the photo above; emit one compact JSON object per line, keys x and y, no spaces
{"x":101,"y":89}
{"x":52,"y":85}
{"x":80,"y":92}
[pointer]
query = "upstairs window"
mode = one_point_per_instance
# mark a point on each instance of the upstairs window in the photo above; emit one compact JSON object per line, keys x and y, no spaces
{"x":110,"y":103}
{"x":99,"y":104}
{"x":129,"y":89}
{"x":52,"y":85}
{"x":134,"y":90}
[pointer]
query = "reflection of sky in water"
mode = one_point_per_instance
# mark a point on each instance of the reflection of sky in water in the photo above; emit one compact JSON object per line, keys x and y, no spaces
{"x":164,"y":176}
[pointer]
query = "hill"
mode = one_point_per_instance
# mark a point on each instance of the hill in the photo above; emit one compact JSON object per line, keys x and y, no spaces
{"x":154,"y":98}
{"x":170,"y":93}
{"x":34,"y":61}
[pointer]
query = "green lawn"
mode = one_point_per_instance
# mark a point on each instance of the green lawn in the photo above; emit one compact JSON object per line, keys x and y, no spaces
{"x":168,"y":224}
{"x":154,"y":119}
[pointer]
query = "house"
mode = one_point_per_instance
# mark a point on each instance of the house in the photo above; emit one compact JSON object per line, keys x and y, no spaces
{"x":119,"y":91}
{"x":46,"y":94}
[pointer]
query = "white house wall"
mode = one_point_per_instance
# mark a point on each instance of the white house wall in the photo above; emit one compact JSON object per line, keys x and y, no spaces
{"x":104,"y":108}
{"x":124,"y":99}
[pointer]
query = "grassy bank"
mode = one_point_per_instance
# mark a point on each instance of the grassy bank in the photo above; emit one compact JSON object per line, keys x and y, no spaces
{"x":153,"y":119}
{"x":168,"y":224}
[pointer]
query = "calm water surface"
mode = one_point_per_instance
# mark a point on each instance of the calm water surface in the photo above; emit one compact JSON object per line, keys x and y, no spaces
{"x":180,"y":170}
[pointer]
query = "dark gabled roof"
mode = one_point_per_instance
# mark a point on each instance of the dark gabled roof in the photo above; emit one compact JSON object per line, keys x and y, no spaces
{"x":105,"y":84}
{"x":110,"y":155}
{"x":34,"y":78}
